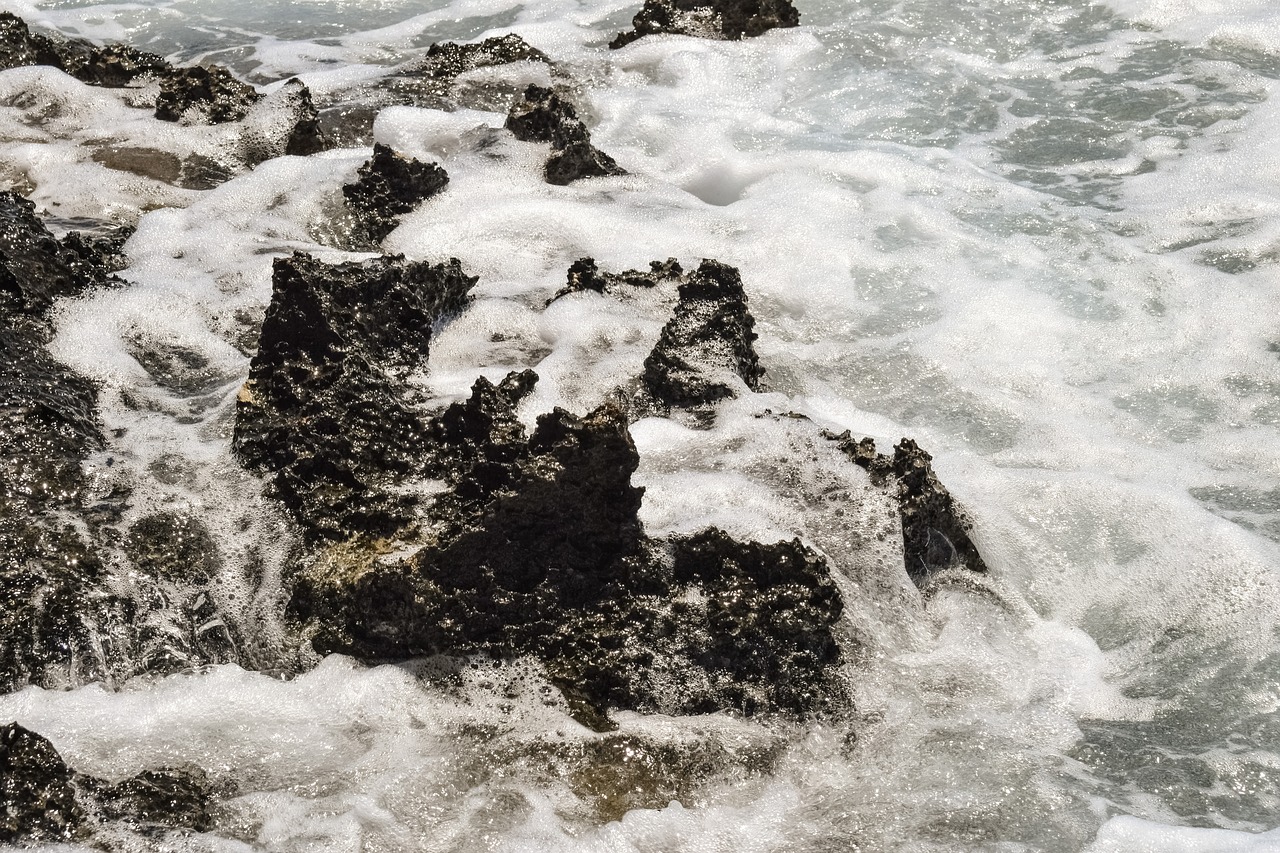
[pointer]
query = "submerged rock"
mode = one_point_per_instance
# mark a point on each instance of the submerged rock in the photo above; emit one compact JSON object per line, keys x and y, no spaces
{"x":708,"y":344}
{"x":43,"y":800}
{"x":324,"y":412}
{"x":585,"y":275}
{"x":935,"y":531}
{"x":537,"y":549}
{"x":389,"y":186}
{"x":716,"y":19}
{"x":543,"y":116}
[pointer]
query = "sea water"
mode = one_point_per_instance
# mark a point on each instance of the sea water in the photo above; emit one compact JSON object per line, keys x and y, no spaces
{"x":1041,"y":237}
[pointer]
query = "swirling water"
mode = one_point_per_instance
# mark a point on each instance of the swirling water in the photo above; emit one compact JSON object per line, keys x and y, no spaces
{"x":1040,"y":236}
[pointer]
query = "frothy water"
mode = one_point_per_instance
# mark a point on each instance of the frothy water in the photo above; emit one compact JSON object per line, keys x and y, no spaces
{"x":1043,"y":238}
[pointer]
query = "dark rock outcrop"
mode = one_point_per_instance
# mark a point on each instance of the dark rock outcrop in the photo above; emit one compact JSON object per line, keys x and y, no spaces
{"x":446,"y":60}
{"x":57,"y":621}
{"x":935,"y":531}
{"x":389,"y":186}
{"x":543,"y":116}
{"x":708,"y":341}
{"x":538,"y":550}
{"x":716,"y":19}
{"x":306,"y":137}
{"x":37,"y":801}
{"x":324,"y":412}
{"x":212,"y":92}
{"x":43,"y":800}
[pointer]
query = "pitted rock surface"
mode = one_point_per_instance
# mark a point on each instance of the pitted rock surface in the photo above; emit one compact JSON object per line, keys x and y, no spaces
{"x":37,"y":801}
{"x":935,"y":531}
{"x":543,"y":116}
{"x":389,"y":186}
{"x":325,"y":412}
{"x":708,"y":343}
{"x":537,"y":549}
{"x":212,"y":93}
{"x":57,"y":621}
{"x":715,"y":19}
{"x":44,"y":800}
{"x":585,"y":275}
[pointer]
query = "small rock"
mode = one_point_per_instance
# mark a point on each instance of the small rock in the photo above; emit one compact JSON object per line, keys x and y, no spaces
{"x":543,"y":116}
{"x":37,"y":800}
{"x":935,"y":531}
{"x":212,"y":92}
{"x":390,"y":186}
{"x":707,"y":344}
{"x":714,"y":19}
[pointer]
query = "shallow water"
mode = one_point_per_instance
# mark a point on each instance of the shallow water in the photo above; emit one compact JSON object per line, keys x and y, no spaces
{"x":1042,"y":238}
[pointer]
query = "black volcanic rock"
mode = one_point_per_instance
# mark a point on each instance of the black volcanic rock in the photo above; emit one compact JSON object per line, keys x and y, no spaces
{"x":57,"y":621}
{"x":44,"y":800}
{"x":446,"y":60}
{"x":215,"y":95}
{"x":585,"y":275}
{"x":543,"y":116}
{"x":306,"y":137}
{"x":537,"y":549}
{"x":37,"y":800}
{"x":935,"y":531}
{"x":389,"y":186}
{"x":709,"y":339}
{"x":716,"y":19}
{"x":324,"y":412}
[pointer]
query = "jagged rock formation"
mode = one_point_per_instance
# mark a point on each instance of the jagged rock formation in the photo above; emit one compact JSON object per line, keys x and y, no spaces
{"x":706,"y":347}
{"x":307,"y":137}
{"x":324,"y":412}
{"x":716,"y":19}
{"x":538,"y":550}
{"x":389,"y":186}
{"x":43,"y":800}
{"x":55,"y":615}
{"x":212,"y":91}
{"x":935,"y":531}
{"x":446,"y":60}
{"x":543,"y":116}
{"x":707,"y":344}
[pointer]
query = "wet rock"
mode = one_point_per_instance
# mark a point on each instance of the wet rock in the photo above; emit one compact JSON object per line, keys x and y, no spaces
{"x":58,"y":622}
{"x":37,"y":800}
{"x":161,"y":799}
{"x":112,"y":66}
{"x":716,"y":19}
{"x":708,"y":344}
{"x":585,"y":275}
{"x":43,"y":800}
{"x":306,"y":137}
{"x":390,"y":186}
{"x":935,"y":531}
{"x":324,"y":412}
{"x":446,"y":60}
{"x":537,"y":549}
{"x":543,"y":116}
{"x":210,"y":95}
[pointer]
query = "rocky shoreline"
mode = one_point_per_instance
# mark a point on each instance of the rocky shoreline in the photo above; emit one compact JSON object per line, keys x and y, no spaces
{"x":530,"y":543}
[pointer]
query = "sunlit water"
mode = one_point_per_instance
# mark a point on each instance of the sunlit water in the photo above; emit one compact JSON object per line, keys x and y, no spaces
{"x":1042,"y":238}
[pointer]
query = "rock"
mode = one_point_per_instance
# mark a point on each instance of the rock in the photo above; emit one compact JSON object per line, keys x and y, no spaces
{"x":110,"y":66}
{"x":20,"y":47}
{"x":210,"y":94}
{"x":716,"y":19}
{"x":37,"y":800}
{"x":585,"y":275}
{"x":324,"y":412}
{"x":935,"y":531}
{"x":543,"y":116}
{"x":446,"y":60}
{"x":160,"y":799}
{"x":306,"y":137}
{"x":390,"y":186}
{"x":708,"y":344}
{"x":43,"y":800}
{"x":58,"y":622}
{"x":537,"y":549}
